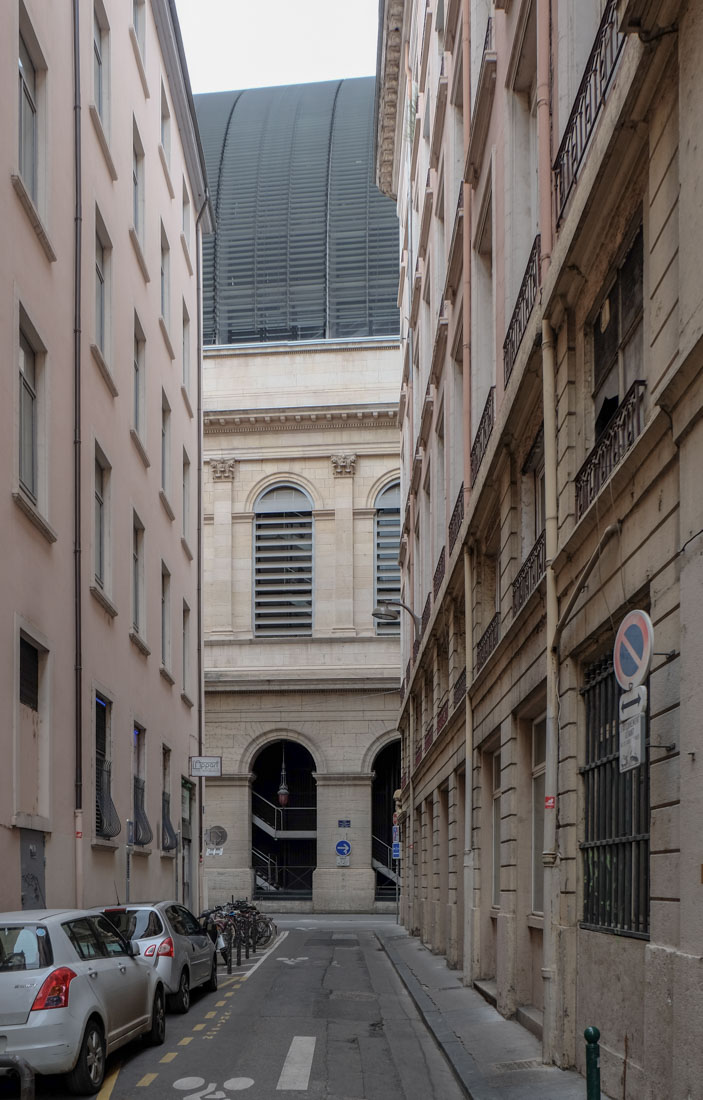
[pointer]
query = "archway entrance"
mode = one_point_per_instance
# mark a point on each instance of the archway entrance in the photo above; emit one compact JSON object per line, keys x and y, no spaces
{"x":284,"y":821}
{"x":386,"y":769}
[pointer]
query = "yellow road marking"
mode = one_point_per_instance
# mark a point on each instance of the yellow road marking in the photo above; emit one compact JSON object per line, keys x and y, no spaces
{"x":219,"y":1004}
{"x":210,"y":1015}
{"x":199,"y":1027}
{"x":146,"y":1080}
{"x":230,"y":994}
{"x":184,"y":1042}
{"x":169,"y":1057}
{"x":109,"y":1083}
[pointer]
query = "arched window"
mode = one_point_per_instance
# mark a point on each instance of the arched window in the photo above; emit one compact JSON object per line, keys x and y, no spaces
{"x":387,"y":541}
{"x":283,"y":563}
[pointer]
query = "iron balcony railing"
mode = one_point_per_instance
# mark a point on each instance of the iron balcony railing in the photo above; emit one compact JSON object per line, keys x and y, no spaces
{"x":418,"y":754}
{"x":589,"y":99}
{"x":442,"y":716}
{"x":107,"y":822}
{"x":286,"y":819}
{"x":620,"y":433}
{"x":523,"y":308}
{"x":457,"y":519}
{"x":530,"y":573}
{"x":429,"y":736}
{"x":408,"y":670}
{"x":169,"y":840}
{"x":459,"y":689}
{"x":488,"y":641}
{"x":439,"y":572}
{"x":143,"y":834}
{"x":485,"y":427}
{"x":426,"y":612}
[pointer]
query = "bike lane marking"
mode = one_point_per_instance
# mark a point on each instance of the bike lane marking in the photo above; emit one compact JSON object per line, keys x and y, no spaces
{"x":295,"y":1074}
{"x":146,"y":1080}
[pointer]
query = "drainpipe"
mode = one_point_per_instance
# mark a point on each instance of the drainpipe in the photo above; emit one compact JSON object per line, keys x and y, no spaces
{"x":199,"y":540}
{"x":544,"y":133}
{"x":468,"y":782}
{"x":77,"y":571}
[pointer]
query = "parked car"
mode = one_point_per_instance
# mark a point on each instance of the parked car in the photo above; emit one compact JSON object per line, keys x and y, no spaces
{"x":170,"y":936}
{"x":71,"y":992}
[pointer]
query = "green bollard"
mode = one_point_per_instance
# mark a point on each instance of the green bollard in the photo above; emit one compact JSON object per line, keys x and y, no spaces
{"x":592,"y":1035}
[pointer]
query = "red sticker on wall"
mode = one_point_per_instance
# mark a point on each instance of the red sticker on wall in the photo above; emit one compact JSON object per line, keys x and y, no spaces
{"x":549,"y":802}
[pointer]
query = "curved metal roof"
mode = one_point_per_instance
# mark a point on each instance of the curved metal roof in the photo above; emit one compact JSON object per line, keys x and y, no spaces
{"x":305,"y":247}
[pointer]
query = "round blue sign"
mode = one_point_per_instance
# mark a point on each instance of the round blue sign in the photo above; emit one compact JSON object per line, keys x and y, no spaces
{"x":343,"y":847}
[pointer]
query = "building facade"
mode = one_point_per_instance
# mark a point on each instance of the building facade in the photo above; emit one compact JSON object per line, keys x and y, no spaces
{"x":99,"y":315}
{"x":301,"y":500}
{"x":544,"y":166}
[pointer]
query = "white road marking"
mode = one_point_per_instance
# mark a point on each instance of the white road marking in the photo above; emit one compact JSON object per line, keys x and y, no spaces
{"x":274,"y":947}
{"x":238,"y":1084}
{"x":296,"y":1068}
{"x":292,"y":962}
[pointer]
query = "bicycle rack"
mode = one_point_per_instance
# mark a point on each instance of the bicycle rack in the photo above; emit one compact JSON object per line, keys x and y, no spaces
{"x":25,"y":1073}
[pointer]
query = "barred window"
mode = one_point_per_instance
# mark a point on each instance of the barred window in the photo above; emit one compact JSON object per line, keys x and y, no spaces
{"x":283,"y":563}
{"x":387,"y":541}
{"x":616,"y":836}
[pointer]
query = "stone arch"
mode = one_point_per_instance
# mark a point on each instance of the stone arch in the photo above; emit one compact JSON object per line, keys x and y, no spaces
{"x":386,"y":478}
{"x":377,"y":745}
{"x":283,"y":477}
{"x":281,"y":734}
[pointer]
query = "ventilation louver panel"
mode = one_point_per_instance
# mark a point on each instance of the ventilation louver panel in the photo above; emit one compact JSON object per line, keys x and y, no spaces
{"x":387,"y":545}
{"x":283,"y":574}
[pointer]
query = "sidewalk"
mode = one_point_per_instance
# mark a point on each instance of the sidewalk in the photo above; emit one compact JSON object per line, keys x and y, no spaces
{"x":492,"y":1058}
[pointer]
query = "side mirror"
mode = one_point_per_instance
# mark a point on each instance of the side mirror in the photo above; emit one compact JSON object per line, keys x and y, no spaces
{"x":133,"y":949}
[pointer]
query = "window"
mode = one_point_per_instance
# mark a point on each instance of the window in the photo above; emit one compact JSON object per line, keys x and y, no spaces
{"x":165,"y":617}
{"x":165,"y":126}
{"x":139,"y":23}
{"x":165,"y":443}
{"x":185,"y":349}
{"x":28,"y":417}
{"x":185,"y":224}
{"x":139,"y":379}
{"x":495,"y":810}
{"x":539,"y":755}
{"x":100,"y":62}
{"x":32,"y":732}
{"x":103,"y":258}
{"x":107,"y":823}
{"x":165,"y":277}
{"x":169,"y":840}
{"x":137,"y":183}
{"x":28,"y":120}
{"x":137,"y":574}
{"x":29,"y":675}
{"x":186,"y":496}
{"x":615,"y":847}
{"x":185,"y":648}
{"x":283,"y":563}
{"x":141,"y":827}
{"x":618,"y":344}
{"x":102,"y":520}
{"x":387,"y":540}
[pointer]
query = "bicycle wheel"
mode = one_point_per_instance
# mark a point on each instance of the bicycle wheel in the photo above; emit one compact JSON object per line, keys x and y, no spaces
{"x":264,"y":931}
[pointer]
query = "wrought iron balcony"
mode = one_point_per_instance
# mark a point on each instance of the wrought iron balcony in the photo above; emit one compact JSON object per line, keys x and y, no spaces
{"x":107,"y":822}
{"x":169,"y":840}
{"x":530,"y":573}
{"x":523,"y":309}
{"x":457,"y":519}
{"x":429,"y":736}
{"x":401,"y":690}
{"x":142,"y":829}
{"x":485,"y":427}
{"x":590,"y":97}
{"x":418,"y":754}
{"x":408,"y":670}
{"x":459,"y":689}
{"x":621,"y":431}
{"x":426,"y":612}
{"x":487,"y":642}
{"x":442,"y":716}
{"x":416,"y":648}
{"x":439,"y":572}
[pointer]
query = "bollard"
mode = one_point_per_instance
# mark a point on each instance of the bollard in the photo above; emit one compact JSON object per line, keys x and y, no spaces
{"x":592,"y":1035}
{"x":229,"y":949}
{"x":23,"y":1071}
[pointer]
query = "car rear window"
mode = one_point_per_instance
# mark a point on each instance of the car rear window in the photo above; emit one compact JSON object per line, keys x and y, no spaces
{"x":24,"y":947}
{"x":136,"y":924}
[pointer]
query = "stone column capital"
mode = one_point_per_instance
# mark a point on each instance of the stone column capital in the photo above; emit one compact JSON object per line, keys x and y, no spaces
{"x":343,"y":465}
{"x":223,"y":469}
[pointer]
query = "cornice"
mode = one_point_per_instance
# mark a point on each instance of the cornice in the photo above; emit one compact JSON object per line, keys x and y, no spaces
{"x":359,"y":345}
{"x":389,"y":76}
{"x":216,"y":422}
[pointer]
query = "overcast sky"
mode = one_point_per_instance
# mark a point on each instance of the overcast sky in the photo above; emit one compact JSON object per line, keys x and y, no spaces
{"x":256,"y":43}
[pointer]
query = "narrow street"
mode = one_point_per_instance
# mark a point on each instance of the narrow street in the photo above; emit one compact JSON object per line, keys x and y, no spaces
{"x":321,"y":1012}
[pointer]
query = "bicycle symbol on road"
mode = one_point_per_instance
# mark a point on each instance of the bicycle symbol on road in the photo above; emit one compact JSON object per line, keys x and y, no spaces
{"x":235,"y":1084}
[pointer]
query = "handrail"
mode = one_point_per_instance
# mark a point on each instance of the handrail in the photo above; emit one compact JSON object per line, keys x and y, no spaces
{"x":523,"y":308}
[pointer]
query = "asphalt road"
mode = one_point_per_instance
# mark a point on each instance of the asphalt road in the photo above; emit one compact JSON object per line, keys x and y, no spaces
{"x":322,"y":1013}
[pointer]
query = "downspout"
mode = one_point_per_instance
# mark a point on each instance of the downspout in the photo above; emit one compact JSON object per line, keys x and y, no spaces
{"x":544,"y":133}
{"x":466,"y":418}
{"x":77,"y":570}
{"x":202,"y":901}
{"x":410,"y":906}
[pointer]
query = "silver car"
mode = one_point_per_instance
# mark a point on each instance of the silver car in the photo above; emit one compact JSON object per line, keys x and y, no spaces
{"x":170,"y":937}
{"x":71,"y":992}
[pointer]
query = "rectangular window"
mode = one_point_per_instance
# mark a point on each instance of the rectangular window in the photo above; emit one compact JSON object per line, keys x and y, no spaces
{"x":539,"y":755}
{"x":185,"y":348}
{"x":495,"y":809}
{"x":141,"y":828}
{"x":165,"y":277}
{"x":137,"y":574}
{"x":165,"y":126}
{"x":185,"y":639}
{"x":99,"y":294}
{"x":185,"y":223}
{"x":618,"y":343}
{"x":165,"y":617}
{"x":100,"y":62}
{"x":28,"y":417}
{"x":615,"y":847}
{"x":165,"y":443}
{"x":169,"y":840}
{"x":27,"y":120}
{"x":103,"y":286}
{"x":186,"y":496}
{"x":29,"y":675}
{"x":100,"y":521}
{"x":107,"y":822}
{"x":139,"y":23}
{"x":137,"y":183}
{"x":139,"y":379}
{"x":387,"y":543}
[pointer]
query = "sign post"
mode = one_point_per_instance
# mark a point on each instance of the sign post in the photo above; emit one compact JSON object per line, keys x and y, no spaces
{"x":632,"y":655}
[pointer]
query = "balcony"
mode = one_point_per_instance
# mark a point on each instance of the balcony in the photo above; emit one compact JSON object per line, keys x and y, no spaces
{"x":401,"y":690}
{"x":107,"y":822}
{"x":487,"y":642}
{"x":169,"y":840}
{"x":529,"y":575}
{"x":440,"y":344}
{"x":416,"y":648}
{"x":418,"y":754}
{"x":485,"y":427}
{"x":439,"y":572}
{"x":142,"y":829}
{"x":429,"y":736}
{"x":483,"y":105}
{"x":620,"y":433}
{"x":457,"y":519}
{"x":455,"y":260}
{"x":427,"y":410}
{"x":459,"y":689}
{"x":523,"y":309}
{"x":417,"y":292}
{"x":426,"y":613}
{"x":408,"y":670}
{"x":442,"y":716}
{"x":425,"y":48}
{"x":590,"y":97}
{"x":439,"y":114}
{"x":426,"y":219}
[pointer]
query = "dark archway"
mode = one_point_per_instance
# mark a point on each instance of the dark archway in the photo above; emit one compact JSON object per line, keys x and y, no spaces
{"x":284,"y":837}
{"x":386,"y":768}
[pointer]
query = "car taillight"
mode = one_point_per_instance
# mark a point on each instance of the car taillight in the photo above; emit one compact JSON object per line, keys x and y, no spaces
{"x":150,"y":951}
{"x":166,"y":947}
{"x":54,"y":991}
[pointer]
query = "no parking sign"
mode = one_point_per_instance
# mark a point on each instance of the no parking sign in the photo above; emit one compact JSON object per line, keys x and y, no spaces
{"x":632,"y":651}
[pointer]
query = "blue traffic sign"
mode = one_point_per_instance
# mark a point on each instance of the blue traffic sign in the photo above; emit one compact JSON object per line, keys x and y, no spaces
{"x":396,"y":850}
{"x":632,"y":651}
{"x":342,"y":847}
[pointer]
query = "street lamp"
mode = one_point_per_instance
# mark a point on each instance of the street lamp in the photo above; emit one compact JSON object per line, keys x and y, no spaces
{"x":388,"y":611}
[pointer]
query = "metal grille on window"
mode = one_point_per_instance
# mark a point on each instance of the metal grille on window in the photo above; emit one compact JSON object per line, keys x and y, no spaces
{"x":387,"y":541}
{"x":616,"y":838}
{"x":142,"y":828}
{"x":107,"y":822}
{"x":169,"y":840}
{"x":283,"y":563}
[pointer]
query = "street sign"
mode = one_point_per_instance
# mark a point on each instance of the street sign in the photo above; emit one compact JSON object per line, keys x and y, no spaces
{"x":344,"y":823}
{"x":205,"y":765}
{"x":633,"y":728}
{"x":342,"y":847}
{"x":632,"y":652}
{"x":396,"y":849}
{"x":395,"y":818}
{"x":342,"y":861}
{"x":396,"y":833}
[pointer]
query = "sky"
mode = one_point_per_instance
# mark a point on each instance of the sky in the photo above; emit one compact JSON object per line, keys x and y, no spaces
{"x":256,"y":43}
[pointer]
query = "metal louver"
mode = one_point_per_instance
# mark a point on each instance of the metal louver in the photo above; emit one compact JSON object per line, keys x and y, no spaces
{"x":387,"y":540}
{"x":283,"y":564}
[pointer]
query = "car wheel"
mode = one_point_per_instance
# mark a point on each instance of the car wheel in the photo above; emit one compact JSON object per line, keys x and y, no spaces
{"x":180,"y":1002}
{"x":86,"y":1077}
{"x":211,"y":984}
{"x":156,"y":1034}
